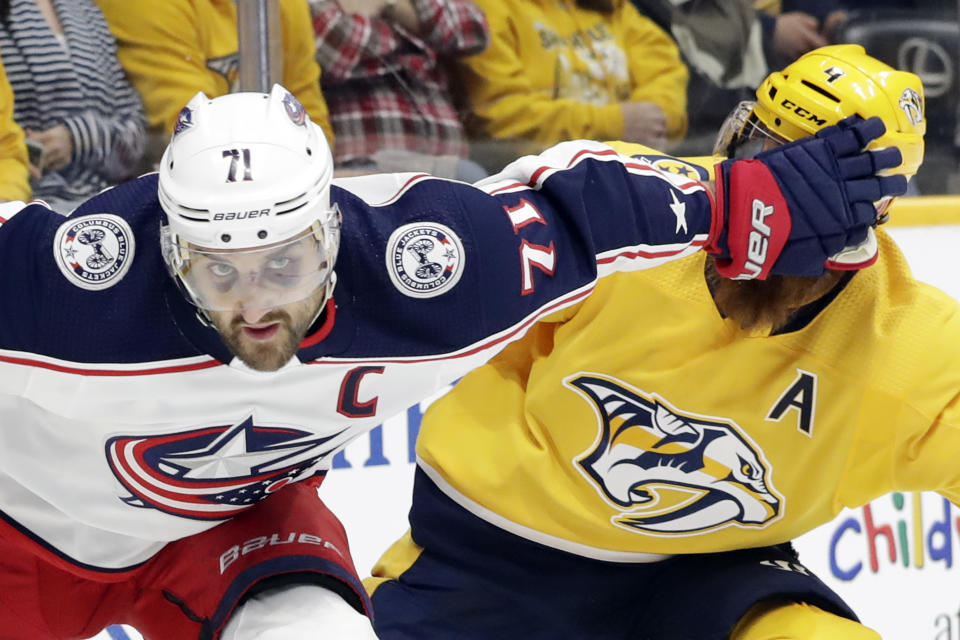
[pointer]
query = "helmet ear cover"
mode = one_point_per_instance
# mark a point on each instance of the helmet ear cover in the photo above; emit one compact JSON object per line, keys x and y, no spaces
{"x":242,"y":173}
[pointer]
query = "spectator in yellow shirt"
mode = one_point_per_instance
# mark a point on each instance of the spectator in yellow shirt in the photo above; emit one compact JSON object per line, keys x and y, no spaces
{"x":14,"y":175}
{"x":560,"y":70}
{"x":175,"y":48}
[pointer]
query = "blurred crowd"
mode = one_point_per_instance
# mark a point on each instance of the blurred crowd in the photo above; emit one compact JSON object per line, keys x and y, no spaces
{"x":91,"y":89}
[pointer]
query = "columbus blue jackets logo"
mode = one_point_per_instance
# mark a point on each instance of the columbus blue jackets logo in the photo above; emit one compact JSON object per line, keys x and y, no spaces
{"x":214,"y":472}
{"x":424,"y":259}
{"x":227,"y":66}
{"x":671,"y":473}
{"x":184,"y":121}
{"x":94,"y":251}
{"x":295,"y":110}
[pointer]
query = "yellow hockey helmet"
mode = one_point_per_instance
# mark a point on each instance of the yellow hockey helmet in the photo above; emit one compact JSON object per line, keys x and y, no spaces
{"x":826,"y":85}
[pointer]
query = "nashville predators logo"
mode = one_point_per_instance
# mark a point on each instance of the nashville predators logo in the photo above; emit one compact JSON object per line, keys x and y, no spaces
{"x":227,"y":66}
{"x":671,"y":473}
{"x":911,"y":103}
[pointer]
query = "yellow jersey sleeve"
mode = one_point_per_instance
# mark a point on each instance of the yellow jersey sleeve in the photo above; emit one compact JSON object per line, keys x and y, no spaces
{"x":657,"y":72}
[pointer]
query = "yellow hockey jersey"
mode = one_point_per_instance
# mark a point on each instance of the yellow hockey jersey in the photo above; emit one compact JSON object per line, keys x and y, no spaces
{"x":175,"y":48}
{"x":554,"y":72}
{"x":642,"y":422}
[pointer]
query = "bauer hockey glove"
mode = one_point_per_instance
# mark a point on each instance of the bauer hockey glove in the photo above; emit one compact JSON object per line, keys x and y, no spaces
{"x":804,"y":206}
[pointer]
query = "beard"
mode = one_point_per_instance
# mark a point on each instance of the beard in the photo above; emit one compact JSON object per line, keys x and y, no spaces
{"x":269,"y":355}
{"x":765,"y":304}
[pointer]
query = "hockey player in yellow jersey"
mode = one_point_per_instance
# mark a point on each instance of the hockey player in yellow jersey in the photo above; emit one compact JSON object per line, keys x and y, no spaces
{"x":636,"y":467}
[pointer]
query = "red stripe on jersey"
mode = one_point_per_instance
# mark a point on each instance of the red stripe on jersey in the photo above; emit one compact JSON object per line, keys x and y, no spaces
{"x":406,"y":185}
{"x":208,"y":364}
{"x":476,"y":349}
{"x":522,"y":327}
{"x":649,"y":254}
{"x":535,"y":176}
{"x":317,"y":336}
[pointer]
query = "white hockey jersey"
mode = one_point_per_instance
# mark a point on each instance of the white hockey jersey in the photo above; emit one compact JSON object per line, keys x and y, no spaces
{"x":126,"y":423}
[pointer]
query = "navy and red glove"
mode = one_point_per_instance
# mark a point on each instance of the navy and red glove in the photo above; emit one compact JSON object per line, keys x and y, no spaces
{"x":804,"y":206}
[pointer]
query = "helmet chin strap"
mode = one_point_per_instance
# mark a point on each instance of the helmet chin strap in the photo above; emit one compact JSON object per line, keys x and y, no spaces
{"x":331,"y":283}
{"x":204,"y":319}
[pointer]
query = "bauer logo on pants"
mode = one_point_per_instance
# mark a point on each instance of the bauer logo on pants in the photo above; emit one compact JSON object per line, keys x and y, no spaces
{"x":95,"y":251}
{"x":424,"y":259}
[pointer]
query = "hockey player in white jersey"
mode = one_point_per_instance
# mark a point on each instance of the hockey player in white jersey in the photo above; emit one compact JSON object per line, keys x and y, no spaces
{"x":181,"y":355}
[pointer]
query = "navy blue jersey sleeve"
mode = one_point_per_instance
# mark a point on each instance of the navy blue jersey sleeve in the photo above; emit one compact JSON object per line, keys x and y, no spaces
{"x":444,"y":266}
{"x":21,"y":233}
{"x":88,"y":287}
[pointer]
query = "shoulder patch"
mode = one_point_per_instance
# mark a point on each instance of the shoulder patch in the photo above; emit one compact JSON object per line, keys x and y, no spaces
{"x":424,"y":259}
{"x":94,"y":251}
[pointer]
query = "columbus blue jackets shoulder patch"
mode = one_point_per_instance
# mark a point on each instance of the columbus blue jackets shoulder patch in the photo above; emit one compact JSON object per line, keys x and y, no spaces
{"x":94,"y":251}
{"x":424,"y":259}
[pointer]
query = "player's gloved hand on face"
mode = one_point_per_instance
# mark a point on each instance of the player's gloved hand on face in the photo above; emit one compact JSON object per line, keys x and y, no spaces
{"x":803,"y":206}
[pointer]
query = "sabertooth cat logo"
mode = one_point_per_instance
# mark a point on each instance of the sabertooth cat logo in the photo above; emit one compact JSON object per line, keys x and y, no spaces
{"x":911,"y":103}
{"x":670,"y":473}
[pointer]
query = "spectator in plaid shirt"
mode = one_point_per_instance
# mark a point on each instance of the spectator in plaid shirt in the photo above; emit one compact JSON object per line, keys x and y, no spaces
{"x":386,"y":84}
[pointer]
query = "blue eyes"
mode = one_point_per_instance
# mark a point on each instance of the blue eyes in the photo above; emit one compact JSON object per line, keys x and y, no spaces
{"x":281,"y":262}
{"x":221,"y":269}
{"x":282,"y":271}
{"x":225,"y":270}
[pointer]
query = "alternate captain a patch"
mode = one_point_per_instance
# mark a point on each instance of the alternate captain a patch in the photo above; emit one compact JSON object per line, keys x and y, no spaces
{"x":670,"y":473}
{"x":424,"y":259}
{"x":94,"y":251}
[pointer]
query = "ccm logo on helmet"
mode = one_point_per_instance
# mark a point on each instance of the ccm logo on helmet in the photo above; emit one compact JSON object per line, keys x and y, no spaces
{"x":803,"y":113}
{"x":240,"y":215}
{"x":758,"y":241}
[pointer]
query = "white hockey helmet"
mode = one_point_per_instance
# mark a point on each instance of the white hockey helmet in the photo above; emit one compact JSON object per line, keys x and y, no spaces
{"x":245,"y":184}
